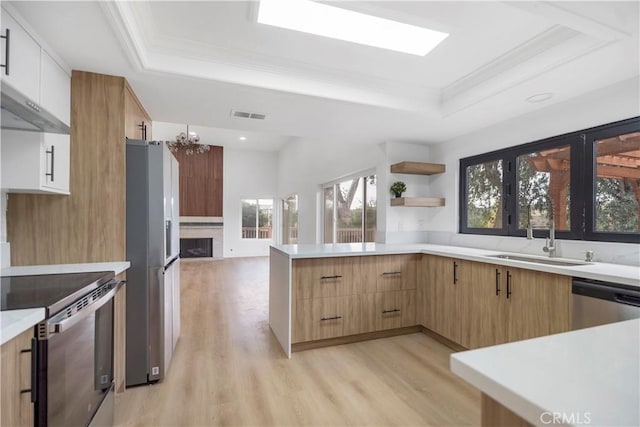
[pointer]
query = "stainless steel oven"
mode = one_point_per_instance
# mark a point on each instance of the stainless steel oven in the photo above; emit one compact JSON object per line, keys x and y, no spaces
{"x":72,"y":349}
{"x":75,"y":361}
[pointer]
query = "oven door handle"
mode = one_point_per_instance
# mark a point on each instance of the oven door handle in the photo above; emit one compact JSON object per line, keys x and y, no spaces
{"x":57,"y":327}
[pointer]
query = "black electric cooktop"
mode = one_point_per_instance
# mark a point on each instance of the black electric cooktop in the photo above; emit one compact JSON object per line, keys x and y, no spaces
{"x":51,"y":291}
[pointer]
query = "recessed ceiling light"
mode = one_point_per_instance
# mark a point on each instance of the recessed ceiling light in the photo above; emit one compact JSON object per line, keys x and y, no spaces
{"x":336,"y":23}
{"x":242,"y":138}
{"x":539,"y":97}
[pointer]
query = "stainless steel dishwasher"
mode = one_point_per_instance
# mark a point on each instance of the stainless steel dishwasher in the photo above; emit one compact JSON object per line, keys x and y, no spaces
{"x":597,"y":303}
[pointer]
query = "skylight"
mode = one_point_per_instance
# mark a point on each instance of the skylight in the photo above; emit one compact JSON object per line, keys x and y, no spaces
{"x":329,"y":21}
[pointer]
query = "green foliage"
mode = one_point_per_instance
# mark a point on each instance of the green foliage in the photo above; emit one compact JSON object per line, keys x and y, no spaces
{"x":398,"y":187}
{"x":616,"y":205}
{"x":484,"y":195}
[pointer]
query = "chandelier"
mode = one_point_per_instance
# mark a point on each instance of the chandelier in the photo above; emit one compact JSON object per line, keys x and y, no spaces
{"x":190,"y":142}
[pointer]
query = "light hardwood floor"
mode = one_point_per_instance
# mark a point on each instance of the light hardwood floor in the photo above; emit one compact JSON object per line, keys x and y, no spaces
{"x":228,"y":369}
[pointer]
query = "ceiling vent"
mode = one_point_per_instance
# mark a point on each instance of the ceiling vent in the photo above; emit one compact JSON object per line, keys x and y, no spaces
{"x":248,"y":115}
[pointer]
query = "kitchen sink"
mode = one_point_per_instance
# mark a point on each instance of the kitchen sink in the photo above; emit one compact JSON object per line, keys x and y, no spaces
{"x":540,"y":260}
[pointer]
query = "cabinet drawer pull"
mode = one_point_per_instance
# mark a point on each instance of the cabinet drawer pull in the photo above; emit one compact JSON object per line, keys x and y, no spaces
{"x":330,"y":277}
{"x":390,"y":273}
{"x":497,"y":282}
{"x":395,"y":310}
{"x":508,"y":284}
{"x":331,"y":318}
{"x":455,"y":273}
{"x":7,"y":37}
{"x":53,"y":153}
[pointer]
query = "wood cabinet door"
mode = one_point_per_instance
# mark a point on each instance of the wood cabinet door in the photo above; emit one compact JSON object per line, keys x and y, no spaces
{"x":134,"y":115}
{"x":441,"y":296}
{"x":395,"y":272}
{"x":422,"y":294}
{"x":324,"y":277}
{"x":17,"y":409}
{"x":537,"y":303}
{"x":487,"y":325}
{"x":323,"y":318}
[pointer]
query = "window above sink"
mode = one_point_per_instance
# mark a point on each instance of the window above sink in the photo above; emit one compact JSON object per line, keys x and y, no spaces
{"x":587,"y":181}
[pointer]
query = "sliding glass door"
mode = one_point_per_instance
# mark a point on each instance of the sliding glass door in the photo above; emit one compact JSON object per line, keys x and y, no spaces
{"x":350,"y":210}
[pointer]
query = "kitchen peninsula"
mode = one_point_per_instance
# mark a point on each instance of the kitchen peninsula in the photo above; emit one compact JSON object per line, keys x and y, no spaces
{"x":323,"y":295}
{"x":407,"y":277}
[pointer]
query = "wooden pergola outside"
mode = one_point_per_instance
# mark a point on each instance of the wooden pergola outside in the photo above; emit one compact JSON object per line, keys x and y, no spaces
{"x":617,"y":157}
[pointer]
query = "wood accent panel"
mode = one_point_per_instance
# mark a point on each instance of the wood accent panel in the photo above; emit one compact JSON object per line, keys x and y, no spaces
{"x":494,"y":414}
{"x":418,"y":202}
{"x":88,"y":225}
{"x":120,"y":338}
{"x":136,"y":114}
{"x":201,"y":180}
{"x":16,"y":408}
{"x":330,"y":342}
{"x":418,"y":168}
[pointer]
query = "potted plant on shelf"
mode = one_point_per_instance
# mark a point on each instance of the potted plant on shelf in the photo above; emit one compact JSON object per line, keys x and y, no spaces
{"x":398,"y":188}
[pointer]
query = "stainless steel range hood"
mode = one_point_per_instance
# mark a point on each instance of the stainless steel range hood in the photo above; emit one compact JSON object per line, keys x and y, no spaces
{"x":18,"y":112}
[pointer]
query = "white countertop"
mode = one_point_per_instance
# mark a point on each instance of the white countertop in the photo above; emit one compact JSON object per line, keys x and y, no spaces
{"x":27,"y":270}
{"x":616,"y":273}
{"x":592,"y":373}
{"x":15,"y":322}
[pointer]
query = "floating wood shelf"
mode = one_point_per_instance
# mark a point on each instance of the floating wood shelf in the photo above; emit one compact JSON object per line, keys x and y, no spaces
{"x":417,"y":168}
{"x":425,"y":202}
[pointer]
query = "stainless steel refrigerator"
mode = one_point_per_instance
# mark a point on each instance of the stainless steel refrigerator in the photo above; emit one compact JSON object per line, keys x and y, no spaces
{"x":153,"y":281}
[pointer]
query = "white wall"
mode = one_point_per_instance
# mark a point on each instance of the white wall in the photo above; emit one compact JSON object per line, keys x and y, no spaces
{"x":617,"y":102}
{"x":304,"y":165}
{"x":404,"y":224}
{"x":247,"y":175}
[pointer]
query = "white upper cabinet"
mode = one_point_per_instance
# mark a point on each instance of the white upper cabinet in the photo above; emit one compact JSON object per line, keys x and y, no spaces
{"x":55,"y":89}
{"x":31,"y":70}
{"x":20,"y":58}
{"x":34,"y":162}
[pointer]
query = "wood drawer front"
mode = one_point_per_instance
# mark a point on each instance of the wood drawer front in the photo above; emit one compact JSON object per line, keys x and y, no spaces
{"x":321,"y":318}
{"x":387,"y":310}
{"x":323,"y":277}
{"x":395,"y":272}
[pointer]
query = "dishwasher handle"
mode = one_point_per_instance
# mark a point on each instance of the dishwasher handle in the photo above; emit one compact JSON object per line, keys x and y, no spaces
{"x":606,"y":291}
{"x":628,"y":300}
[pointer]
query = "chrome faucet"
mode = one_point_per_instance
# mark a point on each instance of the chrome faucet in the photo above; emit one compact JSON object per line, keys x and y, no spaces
{"x":550,"y":242}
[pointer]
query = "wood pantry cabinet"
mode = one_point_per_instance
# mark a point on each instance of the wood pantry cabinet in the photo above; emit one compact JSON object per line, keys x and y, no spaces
{"x":341,"y":296}
{"x":477,"y":304}
{"x":15,"y":388}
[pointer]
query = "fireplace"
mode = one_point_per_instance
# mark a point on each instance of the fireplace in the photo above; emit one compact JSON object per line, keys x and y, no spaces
{"x":196,"y":248}
{"x":202,"y":236}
